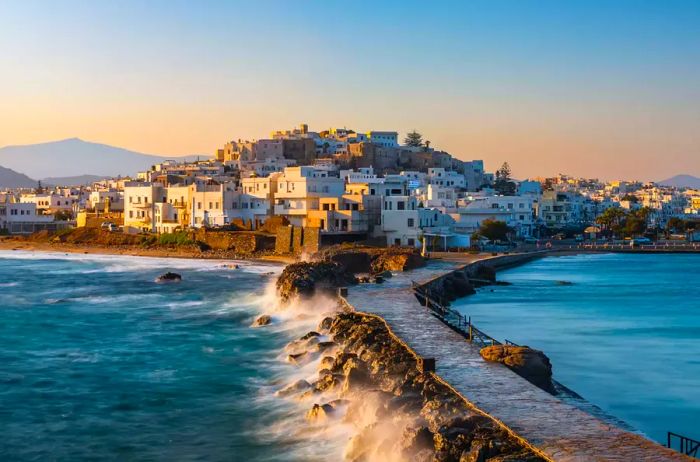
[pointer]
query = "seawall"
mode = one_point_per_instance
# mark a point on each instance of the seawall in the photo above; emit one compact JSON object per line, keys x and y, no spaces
{"x":550,"y":427}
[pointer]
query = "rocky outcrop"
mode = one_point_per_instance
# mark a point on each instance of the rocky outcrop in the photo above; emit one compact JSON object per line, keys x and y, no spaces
{"x":416,"y":415}
{"x":372,"y":260}
{"x":397,"y":260}
{"x":307,"y":279}
{"x":533,"y":365}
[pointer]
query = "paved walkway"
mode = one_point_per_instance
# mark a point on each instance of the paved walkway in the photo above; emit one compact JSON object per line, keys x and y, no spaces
{"x":559,"y":430}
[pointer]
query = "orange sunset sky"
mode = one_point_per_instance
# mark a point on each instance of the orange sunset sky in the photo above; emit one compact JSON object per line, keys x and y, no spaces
{"x":597,"y":89}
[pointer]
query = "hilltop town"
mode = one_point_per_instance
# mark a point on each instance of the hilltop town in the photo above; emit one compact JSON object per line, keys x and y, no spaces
{"x":313,"y":188}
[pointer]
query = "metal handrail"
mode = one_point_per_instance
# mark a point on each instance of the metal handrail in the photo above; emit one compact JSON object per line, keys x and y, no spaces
{"x":687,"y":446}
{"x":458,"y":322}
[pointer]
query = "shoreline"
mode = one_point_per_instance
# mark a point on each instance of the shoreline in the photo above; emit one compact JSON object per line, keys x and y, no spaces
{"x":95,"y":249}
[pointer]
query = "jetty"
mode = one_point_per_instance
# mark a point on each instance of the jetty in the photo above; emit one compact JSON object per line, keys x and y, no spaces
{"x":552,"y":427}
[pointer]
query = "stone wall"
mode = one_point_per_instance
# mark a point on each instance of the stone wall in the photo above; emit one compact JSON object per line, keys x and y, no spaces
{"x":242,"y":242}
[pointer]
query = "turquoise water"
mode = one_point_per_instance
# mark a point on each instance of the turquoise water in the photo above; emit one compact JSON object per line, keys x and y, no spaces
{"x":97,"y":362}
{"x":625,"y":335}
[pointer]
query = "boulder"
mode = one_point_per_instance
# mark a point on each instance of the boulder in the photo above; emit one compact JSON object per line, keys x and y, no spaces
{"x":325,"y":324}
{"x":307,"y":279}
{"x":169,"y":277}
{"x":527,"y":362}
{"x":309,"y":335}
{"x":299,"y":358}
{"x":263,"y":320}
{"x":319,"y":412}
{"x":294,"y":388}
{"x":323,"y":346}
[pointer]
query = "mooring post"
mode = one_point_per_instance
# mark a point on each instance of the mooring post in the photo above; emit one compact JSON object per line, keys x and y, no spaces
{"x":426,"y":364}
{"x":343,"y":291}
{"x":470,"y":329}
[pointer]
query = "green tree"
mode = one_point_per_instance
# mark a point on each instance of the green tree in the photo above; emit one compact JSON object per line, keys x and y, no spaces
{"x":675,"y":225}
{"x":413,"y":139}
{"x":503,"y":184}
{"x":494,"y":230}
{"x":612,"y":219}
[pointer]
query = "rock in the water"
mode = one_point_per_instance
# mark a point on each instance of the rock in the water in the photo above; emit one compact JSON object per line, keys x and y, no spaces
{"x":169,"y":277}
{"x":319,"y":412}
{"x":323,"y":346}
{"x":306,"y":279}
{"x":294,"y":388}
{"x":263,"y":320}
{"x":527,"y":362}
{"x":309,"y":335}
{"x":299,"y":358}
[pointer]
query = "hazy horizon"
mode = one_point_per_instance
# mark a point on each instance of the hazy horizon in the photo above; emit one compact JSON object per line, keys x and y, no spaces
{"x":591,"y":89}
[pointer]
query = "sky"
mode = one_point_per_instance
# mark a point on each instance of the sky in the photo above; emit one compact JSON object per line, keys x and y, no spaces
{"x":606,"y":89}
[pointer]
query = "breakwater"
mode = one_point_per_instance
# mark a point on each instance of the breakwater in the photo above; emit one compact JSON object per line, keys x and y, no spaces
{"x":553,"y":428}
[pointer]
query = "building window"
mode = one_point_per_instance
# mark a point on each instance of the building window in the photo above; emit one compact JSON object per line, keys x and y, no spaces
{"x":411,"y":242}
{"x":199,"y":206}
{"x":411,"y":222}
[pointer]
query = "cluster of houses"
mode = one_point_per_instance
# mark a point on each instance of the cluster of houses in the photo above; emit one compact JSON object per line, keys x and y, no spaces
{"x":344,"y":183}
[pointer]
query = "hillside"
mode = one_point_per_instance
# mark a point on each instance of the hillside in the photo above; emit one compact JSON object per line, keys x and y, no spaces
{"x":75,"y":157}
{"x":682,"y":181}
{"x":11,"y":179}
{"x":71,"y":180}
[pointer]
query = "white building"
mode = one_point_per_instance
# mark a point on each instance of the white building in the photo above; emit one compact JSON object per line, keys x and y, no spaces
{"x":21,"y":217}
{"x":299,"y":190}
{"x":139,"y":206}
{"x":447,"y":178}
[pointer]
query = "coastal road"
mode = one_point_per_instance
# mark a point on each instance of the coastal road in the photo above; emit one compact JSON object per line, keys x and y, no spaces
{"x":555,"y":429}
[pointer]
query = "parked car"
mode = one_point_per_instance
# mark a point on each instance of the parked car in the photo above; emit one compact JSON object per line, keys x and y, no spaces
{"x":530,"y":240}
{"x":106,"y":224}
{"x":637,"y":241}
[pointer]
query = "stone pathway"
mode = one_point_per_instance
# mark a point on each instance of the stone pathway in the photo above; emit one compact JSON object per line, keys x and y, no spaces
{"x":558,"y":430}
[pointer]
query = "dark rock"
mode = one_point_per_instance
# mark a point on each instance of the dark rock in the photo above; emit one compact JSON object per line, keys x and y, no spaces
{"x":299,"y":358}
{"x":306,"y":279}
{"x":263,"y":320}
{"x":527,"y":362}
{"x":413,"y":440}
{"x":169,"y":277}
{"x":319,"y":412}
{"x":325,"y":324}
{"x":323,"y":346}
{"x":309,"y":335}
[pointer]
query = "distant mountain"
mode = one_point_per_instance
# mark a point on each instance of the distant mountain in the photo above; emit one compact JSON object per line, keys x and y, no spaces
{"x":79,"y":180}
{"x":73,"y":157}
{"x":11,"y":179}
{"x":682,"y":181}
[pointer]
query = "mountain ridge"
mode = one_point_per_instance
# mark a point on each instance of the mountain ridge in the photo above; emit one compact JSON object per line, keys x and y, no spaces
{"x":72,"y":157}
{"x":12,"y":179}
{"x":681,"y":181}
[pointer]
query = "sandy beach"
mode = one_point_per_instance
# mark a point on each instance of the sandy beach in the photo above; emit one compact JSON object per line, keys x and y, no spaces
{"x":10,"y":243}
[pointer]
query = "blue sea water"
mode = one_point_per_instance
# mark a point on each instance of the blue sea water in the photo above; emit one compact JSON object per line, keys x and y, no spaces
{"x":98,"y":362}
{"x":625,"y":334}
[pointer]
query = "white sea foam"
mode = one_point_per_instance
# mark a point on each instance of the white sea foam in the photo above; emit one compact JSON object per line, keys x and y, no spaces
{"x":129,"y":263}
{"x":351,"y":431}
{"x":9,"y":284}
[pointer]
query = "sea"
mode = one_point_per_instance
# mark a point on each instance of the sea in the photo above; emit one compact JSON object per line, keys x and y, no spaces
{"x":622,"y":330}
{"x":100,"y":362}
